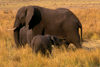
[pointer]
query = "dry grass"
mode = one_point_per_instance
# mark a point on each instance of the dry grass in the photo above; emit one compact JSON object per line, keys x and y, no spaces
{"x":89,"y":15}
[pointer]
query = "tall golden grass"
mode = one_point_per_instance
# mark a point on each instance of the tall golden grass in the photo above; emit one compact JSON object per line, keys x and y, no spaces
{"x":89,"y":15}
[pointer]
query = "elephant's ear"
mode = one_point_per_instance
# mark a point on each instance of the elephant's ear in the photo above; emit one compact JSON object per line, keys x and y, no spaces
{"x":53,"y":40}
{"x":33,"y":16}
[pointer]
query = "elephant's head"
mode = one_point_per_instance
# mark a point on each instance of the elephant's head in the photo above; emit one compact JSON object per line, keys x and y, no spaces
{"x":29,"y":15}
{"x":20,"y":18}
{"x":26,"y":16}
{"x":54,"y":40}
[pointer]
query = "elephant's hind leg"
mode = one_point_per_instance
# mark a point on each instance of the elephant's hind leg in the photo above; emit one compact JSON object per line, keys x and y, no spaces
{"x":75,"y":39}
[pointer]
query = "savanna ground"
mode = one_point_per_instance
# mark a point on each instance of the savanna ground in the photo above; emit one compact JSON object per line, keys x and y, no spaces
{"x":87,"y":11}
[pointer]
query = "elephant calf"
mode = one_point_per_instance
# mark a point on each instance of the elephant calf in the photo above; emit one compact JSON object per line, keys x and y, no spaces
{"x":43,"y":43}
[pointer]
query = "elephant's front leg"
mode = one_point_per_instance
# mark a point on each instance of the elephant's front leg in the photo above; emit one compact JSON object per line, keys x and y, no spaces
{"x":50,"y":51}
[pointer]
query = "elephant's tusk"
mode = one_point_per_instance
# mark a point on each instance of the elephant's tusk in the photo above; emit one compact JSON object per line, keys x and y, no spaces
{"x":12,"y":28}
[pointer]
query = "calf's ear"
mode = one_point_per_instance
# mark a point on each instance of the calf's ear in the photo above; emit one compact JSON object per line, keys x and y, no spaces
{"x":53,"y":40}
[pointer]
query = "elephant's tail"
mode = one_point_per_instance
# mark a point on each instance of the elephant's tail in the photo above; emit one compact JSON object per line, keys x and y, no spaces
{"x":80,"y":26}
{"x":81,"y":33}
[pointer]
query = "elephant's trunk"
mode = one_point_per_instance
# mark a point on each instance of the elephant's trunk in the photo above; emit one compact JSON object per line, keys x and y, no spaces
{"x":17,"y":26}
{"x":16,"y":37}
{"x":80,"y":26}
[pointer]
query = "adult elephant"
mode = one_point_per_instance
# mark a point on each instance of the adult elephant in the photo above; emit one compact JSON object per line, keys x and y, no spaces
{"x":61,"y":23}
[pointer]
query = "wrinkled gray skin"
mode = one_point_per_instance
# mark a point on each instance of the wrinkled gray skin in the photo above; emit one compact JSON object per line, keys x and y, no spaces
{"x":61,"y":23}
{"x":43,"y":43}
